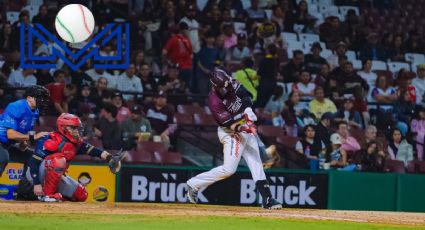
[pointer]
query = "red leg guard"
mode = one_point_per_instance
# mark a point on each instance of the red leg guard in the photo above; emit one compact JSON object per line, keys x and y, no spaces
{"x":55,"y":167}
{"x":80,"y":194}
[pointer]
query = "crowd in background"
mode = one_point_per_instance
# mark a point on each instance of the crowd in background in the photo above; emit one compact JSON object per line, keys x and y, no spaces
{"x":175,"y":45}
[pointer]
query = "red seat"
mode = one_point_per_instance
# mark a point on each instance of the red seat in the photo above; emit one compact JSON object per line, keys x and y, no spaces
{"x":287,"y":141}
{"x":204,"y":119}
{"x":190,"y":109}
{"x":421,"y":166}
{"x":270,"y":131}
{"x":138,"y":157}
{"x":263,"y":115}
{"x":394,"y":166}
{"x":47,"y":121}
{"x":357,"y":133}
{"x":183,"y":119}
{"x":167,"y":158}
{"x":95,"y":142}
{"x":150,"y":146}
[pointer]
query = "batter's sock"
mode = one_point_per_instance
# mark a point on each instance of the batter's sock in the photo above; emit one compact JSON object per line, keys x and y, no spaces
{"x":264,"y":189}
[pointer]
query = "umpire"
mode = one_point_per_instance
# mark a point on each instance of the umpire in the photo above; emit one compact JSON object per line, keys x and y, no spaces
{"x":17,"y":123}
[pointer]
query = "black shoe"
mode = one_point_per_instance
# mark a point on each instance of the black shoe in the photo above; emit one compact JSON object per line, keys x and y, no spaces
{"x":271,"y":203}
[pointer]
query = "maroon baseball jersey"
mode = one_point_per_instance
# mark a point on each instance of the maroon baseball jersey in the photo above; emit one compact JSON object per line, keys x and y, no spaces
{"x":228,"y":110}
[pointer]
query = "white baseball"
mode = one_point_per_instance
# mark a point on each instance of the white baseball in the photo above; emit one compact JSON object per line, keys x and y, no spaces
{"x":74,"y":23}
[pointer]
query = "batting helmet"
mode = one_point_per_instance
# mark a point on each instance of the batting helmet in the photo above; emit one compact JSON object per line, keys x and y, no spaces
{"x":68,"y":124}
{"x":221,"y":82}
{"x":41,"y":95}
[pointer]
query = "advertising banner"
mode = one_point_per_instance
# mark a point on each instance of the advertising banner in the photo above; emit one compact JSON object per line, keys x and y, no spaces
{"x":10,"y":179}
{"x":98,"y":180}
{"x":169,"y":185}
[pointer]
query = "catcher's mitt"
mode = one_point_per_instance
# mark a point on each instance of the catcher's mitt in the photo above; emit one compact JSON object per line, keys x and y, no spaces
{"x":114,"y":161}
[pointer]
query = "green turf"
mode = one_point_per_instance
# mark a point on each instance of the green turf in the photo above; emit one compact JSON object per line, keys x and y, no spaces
{"x":12,"y":221}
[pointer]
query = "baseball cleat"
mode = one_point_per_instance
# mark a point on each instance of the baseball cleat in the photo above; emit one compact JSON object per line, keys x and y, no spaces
{"x":271,"y":204}
{"x":192,"y":195}
{"x":57,"y":197}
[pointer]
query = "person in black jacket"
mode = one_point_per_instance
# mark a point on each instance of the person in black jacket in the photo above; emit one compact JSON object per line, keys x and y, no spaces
{"x":323,"y":131}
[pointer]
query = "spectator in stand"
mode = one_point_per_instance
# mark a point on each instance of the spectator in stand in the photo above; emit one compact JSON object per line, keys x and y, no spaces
{"x":414,"y":43}
{"x":348,"y":114}
{"x":331,"y":34}
{"x":88,"y":123}
{"x":417,"y":127}
{"x":348,"y":80}
{"x":367,"y":74}
{"x":373,"y":159}
{"x":399,"y":148}
{"x":138,"y":60}
{"x":95,"y":74}
{"x":222,"y":51}
{"x":172,"y":84}
{"x":403,"y":112}
{"x":192,"y":28}
{"x":213,"y":21}
{"x":179,"y":50}
{"x":323,"y":129}
{"x":129,"y":82}
{"x":373,"y":50}
{"x":384,"y":93}
{"x":239,"y":51}
{"x":291,"y":71}
{"x":6,"y":39}
{"x":43,"y":76}
{"x":419,"y":83}
{"x":150,"y":86}
{"x":161,"y":117}
{"x":108,"y":129}
{"x":397,"y":50}
{"x":350,"y":29}
{"x":348,"y":142}
{"x":305,"y":87}
{"x":43,"y":17}
{"x":97,"y":94}
{"x":339,"y":53}
{"x":301,"y":14}
{"x":248,"y":77}
{"x":229,"y":35}
{"x":59,"y":93}
{"x":323,"y":77}
{"x":267,"y":73}
{"x":207,"y":57}
{"x":320,"y":105}
{"x":22,"y":78}
{"x":405,"y":83}
{"x":84,"y":98}
{"x":122,"y":111}
{"x":290,"y":113}
{"x":313,"y":61}
{"x":278,"y":17}
{"x":255,"y":13}
{"x":135,"y":128}
{"x":275,"y":106}
{"x":311,"y":146}
{"x":336,"y":155}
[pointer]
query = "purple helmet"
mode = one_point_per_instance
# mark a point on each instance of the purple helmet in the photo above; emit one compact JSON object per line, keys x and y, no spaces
{"x":218,"y":79}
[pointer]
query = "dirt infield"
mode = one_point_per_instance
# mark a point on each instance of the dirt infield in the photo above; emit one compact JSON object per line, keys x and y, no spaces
{"x":393,"y":218}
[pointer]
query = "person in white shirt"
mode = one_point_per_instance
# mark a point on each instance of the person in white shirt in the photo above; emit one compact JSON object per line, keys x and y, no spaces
{"x":419,"y":83}
{"x":305,"y":87}
{"x":193,"y":28}
{"x":129,"y":82}
{"x":367,"y":74}
{"x":95,"y":74}
{"x":22,"y":78}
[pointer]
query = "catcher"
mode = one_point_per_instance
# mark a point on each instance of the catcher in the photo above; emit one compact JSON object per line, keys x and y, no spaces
{"x":47,"y":167}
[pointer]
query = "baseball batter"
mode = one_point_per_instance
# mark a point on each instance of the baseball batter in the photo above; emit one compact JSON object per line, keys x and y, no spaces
{"x":230,"y":104}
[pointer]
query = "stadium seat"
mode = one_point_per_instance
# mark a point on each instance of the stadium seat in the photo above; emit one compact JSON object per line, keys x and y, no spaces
{"x":190,"y":109}
{"x":138,"y":157}
{"x":47,"y":121}
{"x":268,"y":13}
{"x":288,"y":36}
{"x":351,"y":55}
{"x":270,"y":131}
{"x":262,"y":116}
{"x":357,"y":64}
{"x":326,"y":8}
{"x":421,"y":167}
{"x":304,"y":37}
{"x":167,"y":158}
{"x":183,"y":119}
{"x":287,"y":141}
{"x":298,"y":28}
{"x":396,"y":66}
{"x":12,"y":16}
{"x":415,"y":58}
{"x":150,"y":146}
{"x":325,"y":53}
{"x":379,"y":65}
{"x":204,"y":119}
{"x":394,"y":166}
{"x":357,"y":133}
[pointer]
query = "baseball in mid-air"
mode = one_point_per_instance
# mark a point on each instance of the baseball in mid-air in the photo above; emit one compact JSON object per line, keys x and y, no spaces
{"x":74,"y":23}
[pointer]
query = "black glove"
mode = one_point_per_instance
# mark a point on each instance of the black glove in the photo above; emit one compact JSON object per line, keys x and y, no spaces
{"x":114,"y":161}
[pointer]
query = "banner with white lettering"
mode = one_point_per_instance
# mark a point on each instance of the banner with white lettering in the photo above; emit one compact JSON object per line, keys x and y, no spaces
{"x":298,"y":190}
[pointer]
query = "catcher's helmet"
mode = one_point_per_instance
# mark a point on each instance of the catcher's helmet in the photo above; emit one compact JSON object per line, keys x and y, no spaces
{"x":67,"y":123}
